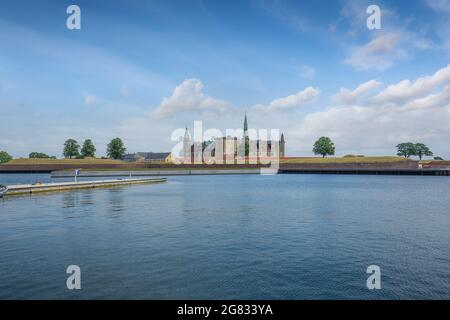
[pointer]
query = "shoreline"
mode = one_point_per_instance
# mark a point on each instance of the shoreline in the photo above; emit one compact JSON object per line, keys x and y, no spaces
{"x":368,"y":165}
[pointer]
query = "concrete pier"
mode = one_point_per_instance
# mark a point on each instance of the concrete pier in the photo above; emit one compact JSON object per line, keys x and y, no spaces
{"x":66,"y":186}
{"x":143,"y":173}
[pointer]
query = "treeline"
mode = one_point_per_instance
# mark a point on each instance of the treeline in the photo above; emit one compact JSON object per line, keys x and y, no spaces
{"x":409,"y":149}
{"x":72,"y":149}
{"x":324,"y":147}
{"x":40,"y":155}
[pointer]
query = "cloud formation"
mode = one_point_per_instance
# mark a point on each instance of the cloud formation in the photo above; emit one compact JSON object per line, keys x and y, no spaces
{"x":90,"y":99}
{"x":290,"y":102}
{"x":189,"y":97}
{"x":406,"y":90}
{"x":398,"y":40}
{"x":416,"y":110}
{"x":379,"y":54}
{"x":349,"y":97}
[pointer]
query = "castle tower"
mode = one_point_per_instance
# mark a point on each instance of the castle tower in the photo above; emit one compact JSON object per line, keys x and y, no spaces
{"x":187,"y":147}
{"x":282,"y":146}
{"x":246,"y":138}
{"x":245,"y":126}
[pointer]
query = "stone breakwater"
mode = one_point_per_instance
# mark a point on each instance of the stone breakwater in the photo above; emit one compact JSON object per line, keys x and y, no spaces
{"x":23,"y":189}
{"x":149,"y":173}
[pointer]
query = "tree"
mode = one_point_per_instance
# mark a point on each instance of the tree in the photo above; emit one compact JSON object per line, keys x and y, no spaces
{"x":116,"y":149}
{"x":422,"y":150}
{"x":88,"y":149}
{"x":406,"y":149}
{"x":71,"y":148}
{"x":5,"y":157}
{"x":40,"y":155}
{"x":324,"y":146}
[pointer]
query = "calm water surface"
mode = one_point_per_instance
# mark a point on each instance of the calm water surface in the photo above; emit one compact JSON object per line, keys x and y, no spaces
{"x":231,"y":237}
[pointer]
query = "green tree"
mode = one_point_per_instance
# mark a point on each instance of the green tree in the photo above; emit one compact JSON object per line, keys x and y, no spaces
{"x":88,"y":149}
{"x":406,"y":149}
{"x":324,"y":146}
{"x":116,"y":149}
{"x":5,"y":157}
{"x":422,"y":150}
{"x":71,"y":148}
{"x":40,"y":155}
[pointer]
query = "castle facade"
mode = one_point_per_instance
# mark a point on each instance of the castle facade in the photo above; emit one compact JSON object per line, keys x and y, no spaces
{"x":232,"y":149}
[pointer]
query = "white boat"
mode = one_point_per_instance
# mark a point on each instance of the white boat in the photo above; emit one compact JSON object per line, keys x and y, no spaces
{"x":3,"y":190}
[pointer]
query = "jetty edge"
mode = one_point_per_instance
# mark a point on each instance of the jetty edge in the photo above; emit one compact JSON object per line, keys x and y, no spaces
{"x":150,"y":173}
{"x":23,"y":189}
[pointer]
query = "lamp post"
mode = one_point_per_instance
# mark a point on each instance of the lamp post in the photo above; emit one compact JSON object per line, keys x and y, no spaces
{"x":77,"y":171}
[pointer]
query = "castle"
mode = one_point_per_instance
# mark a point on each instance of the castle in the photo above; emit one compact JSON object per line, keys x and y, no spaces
{"x":231,"y":149}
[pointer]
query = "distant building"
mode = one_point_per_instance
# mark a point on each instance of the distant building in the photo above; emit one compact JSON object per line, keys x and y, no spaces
{"x":228,"y":149}
{"x":147,"y":157}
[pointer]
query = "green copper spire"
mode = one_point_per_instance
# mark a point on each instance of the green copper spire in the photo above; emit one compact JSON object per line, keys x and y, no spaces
{"x":245,"y":125}
{"x":186,"y":135}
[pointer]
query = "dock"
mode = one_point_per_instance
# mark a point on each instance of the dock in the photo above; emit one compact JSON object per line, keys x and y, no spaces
{"x":23,"y":189}
{"x":399,"y":168}
{"x":150,"y":173}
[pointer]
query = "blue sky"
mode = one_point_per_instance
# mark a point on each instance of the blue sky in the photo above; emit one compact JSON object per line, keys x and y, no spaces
{"x":141,"y":69}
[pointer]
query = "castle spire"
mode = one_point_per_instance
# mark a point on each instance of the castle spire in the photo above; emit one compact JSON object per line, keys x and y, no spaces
{"x":186,"y":134}
{"x":245,"y":125}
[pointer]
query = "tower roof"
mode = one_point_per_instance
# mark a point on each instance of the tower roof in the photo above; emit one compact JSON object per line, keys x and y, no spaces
{"x":245,"y":123}
{"x":186,"y":134}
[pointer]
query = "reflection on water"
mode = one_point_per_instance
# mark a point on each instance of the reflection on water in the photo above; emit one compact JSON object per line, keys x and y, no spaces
{"x":232,"y":237}
{"x":116,"y":201}
{"x":77,"y":198}
{"x":87,"y":197}
{"x":70,"y":199}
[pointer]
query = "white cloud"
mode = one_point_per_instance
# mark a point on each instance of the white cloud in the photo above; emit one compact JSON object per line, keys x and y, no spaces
{"x":349,"y":97}
{"x":399,"y":39}
{"x":290,"y":102}
{"x":90,"y":99}
{"x":358,"y":125}
{"x":189,"y":97}
{"x":406,"y":90}
{"x":421,"y":113}
{"x":379,"y":54}
{"x":353,"y":18}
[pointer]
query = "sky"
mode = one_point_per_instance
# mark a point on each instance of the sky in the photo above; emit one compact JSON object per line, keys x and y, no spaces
{"x":140,"y":70}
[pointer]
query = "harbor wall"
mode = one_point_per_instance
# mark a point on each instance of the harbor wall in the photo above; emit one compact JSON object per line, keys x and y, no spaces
{"x":149,"y":173}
